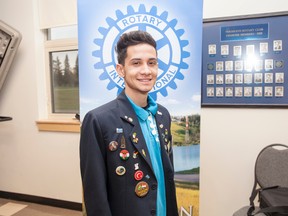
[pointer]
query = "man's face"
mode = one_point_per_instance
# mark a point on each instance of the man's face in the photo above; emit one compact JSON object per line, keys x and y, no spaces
{"x":140,"y":69}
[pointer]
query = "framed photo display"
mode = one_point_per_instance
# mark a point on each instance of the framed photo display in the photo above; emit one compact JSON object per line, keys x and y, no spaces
{"x":244,"y":61}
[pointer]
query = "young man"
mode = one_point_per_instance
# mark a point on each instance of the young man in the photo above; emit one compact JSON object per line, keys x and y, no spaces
{"x":125,"y":147}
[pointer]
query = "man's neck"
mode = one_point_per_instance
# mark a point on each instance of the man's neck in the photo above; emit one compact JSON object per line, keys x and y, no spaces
{"x":139,"y":99}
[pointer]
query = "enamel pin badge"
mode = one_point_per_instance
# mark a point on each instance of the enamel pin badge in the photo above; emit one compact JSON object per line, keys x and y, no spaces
{"x":142,"y":189}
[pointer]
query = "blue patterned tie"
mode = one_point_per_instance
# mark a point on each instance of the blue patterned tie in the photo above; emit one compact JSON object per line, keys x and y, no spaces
{"x":152,"y":125}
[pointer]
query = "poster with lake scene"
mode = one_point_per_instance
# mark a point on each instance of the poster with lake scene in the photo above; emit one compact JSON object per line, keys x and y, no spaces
{"x":177,"y":29}
{"x":186,"y":149}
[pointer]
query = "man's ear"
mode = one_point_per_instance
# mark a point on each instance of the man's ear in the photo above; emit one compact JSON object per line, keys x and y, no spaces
{"x":120,"y":70}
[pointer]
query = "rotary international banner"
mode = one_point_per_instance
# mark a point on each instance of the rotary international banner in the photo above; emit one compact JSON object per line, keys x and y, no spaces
{"x":177,"y":28}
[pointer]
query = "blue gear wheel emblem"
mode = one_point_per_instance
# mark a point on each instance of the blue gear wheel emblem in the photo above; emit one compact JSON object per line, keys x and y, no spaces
{"x":170,"y":47}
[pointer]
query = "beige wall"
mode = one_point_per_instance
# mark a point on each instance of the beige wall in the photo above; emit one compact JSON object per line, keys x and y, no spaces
{"x":32,"y":162}
{"x":232,"y":138}
{"x":47,"y":164}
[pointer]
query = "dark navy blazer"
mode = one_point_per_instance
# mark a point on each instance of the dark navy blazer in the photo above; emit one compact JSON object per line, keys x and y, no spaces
{"x":106,"y":192}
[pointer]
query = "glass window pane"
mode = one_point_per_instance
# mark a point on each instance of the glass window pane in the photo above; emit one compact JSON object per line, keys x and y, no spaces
{"x":64,"y":81}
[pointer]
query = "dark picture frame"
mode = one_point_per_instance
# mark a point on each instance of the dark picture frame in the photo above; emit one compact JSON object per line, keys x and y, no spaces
{"x":244,"y":61}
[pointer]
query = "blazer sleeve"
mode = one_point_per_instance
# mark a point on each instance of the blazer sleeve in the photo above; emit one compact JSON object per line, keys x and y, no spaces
{"x":93,"y":167}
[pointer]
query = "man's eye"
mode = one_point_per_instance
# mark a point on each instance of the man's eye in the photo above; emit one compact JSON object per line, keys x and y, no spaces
{"x":152,"y":63}
{"x":136,"y":63}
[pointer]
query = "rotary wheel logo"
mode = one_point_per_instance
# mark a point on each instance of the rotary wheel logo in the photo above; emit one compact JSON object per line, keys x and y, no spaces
{"x":170,"y":47}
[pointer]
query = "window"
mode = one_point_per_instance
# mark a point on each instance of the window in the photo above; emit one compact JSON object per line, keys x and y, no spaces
{"x":60,"y":103}
{"x":62,"y":69}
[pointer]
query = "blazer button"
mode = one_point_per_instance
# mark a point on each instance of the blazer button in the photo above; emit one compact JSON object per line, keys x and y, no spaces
{"x":154,"y":186}
{"x":153,"y":212}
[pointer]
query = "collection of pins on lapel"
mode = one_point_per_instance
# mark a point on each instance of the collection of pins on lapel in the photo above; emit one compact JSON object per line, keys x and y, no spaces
{"x":142,"y":187}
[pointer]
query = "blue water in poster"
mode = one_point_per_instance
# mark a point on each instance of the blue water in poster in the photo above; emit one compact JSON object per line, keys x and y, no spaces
{"x":188,"y":157}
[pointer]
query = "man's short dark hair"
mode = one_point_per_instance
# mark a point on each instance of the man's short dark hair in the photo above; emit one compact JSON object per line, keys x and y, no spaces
{"x":130,"y":39}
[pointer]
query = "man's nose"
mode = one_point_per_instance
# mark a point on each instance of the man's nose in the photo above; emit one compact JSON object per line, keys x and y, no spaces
{"x":146,"y":69}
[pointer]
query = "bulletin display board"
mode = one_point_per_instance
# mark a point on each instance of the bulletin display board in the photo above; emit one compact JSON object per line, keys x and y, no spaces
{"x":244,"y":61}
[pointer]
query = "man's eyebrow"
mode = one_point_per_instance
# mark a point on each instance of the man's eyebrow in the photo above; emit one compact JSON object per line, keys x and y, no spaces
{"x":137,"y":59}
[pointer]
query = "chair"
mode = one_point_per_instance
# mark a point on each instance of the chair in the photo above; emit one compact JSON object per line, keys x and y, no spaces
{"x":271,"y":169}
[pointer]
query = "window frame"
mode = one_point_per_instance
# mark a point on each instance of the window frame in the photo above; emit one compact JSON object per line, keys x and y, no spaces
{"x":57,"y":45}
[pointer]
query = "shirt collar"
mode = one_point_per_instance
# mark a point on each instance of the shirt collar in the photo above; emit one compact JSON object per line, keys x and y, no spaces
{"x":144,"y":113}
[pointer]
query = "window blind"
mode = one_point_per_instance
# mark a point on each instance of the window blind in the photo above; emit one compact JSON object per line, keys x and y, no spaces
{"x":57,"y":13}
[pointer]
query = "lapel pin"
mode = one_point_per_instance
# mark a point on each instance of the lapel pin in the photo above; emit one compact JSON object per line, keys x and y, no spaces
{"x":143,"y":152}
{"x":135,"y":153}
{"x":120,"y":170}
{"x":113,"y":145}
{"x":135,"y":139}
{"x":124,"y":154}
{"x":119,"y":130}
{"x":138,"y":175}
{"x":169,"y":146}
{"x":166,"y":131}
{"x":123,"y":142}
{"x":141,"y":189}
{"x":160,"y":113}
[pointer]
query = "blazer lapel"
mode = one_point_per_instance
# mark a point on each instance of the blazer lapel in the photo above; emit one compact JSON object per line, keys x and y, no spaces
{"x":133,"y":128}
{"x":165,"y":143}
{"x":162,"y":130}
{"x":138,"y":140}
